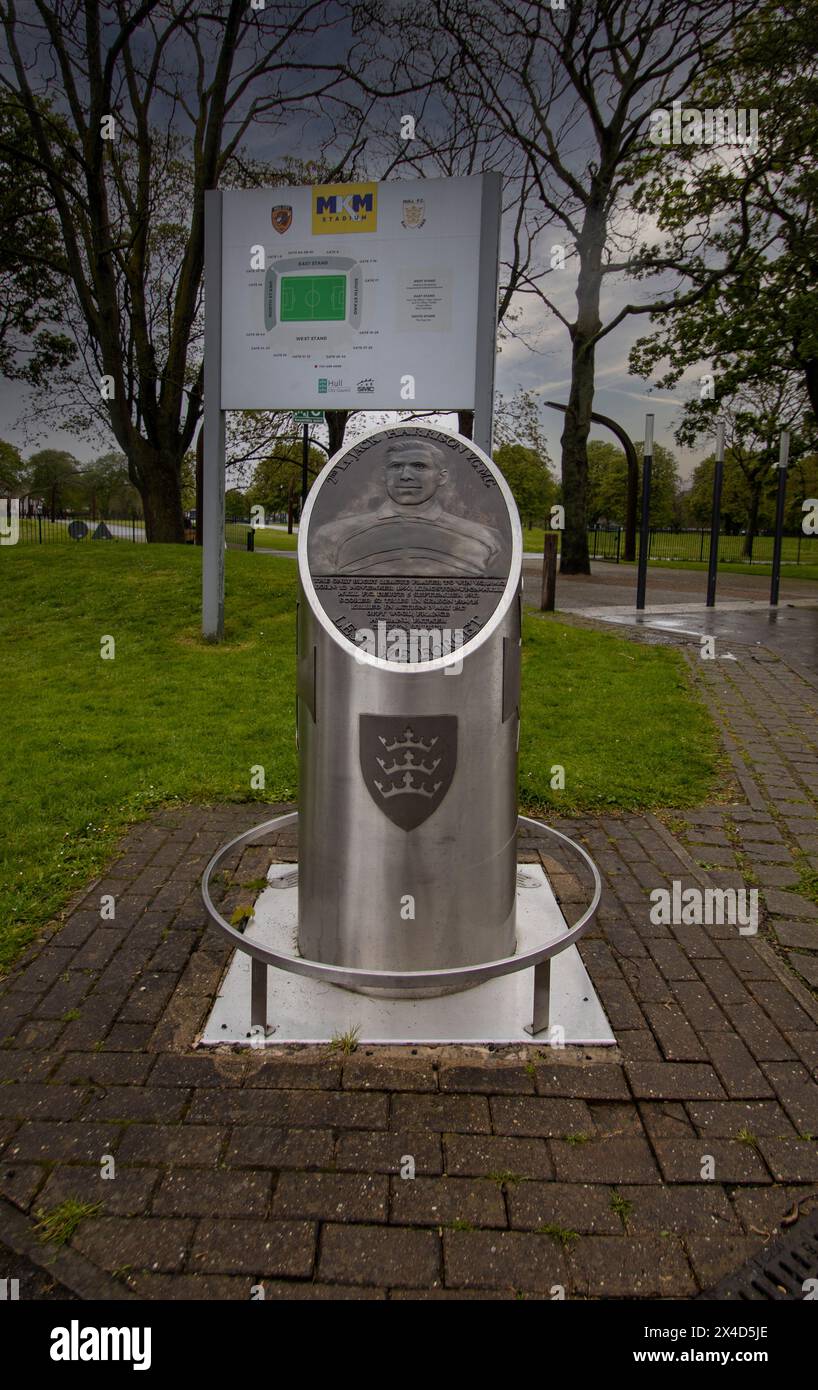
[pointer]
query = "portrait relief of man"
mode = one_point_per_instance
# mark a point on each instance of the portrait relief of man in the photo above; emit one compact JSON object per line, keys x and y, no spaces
{"x":411,"y":532}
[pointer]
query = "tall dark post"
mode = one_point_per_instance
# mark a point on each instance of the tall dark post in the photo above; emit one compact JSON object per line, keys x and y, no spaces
{"x":644,"y":531}
{"x":305,"y":458}
{"x":715,"y":519}
{"x":783,"y":460}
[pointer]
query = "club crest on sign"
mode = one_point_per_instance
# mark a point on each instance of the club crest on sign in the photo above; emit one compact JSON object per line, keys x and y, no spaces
{"x":281,"y":218}
{"x":408,"y":763}
{"x":414,"y":212}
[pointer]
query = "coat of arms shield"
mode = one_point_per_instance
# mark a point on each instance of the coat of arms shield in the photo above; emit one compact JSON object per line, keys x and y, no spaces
{"x":414,"y":212}
{"x":281,"y":217}
{"x":408,"y":763}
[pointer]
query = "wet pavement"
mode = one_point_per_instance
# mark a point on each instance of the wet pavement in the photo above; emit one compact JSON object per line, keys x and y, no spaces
{"x":742,"y":614}
{"x":615,"y":585}
{"x":790,"y":632}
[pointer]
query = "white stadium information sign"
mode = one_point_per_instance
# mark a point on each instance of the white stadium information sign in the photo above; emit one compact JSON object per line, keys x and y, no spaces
{"x":362,"y":296}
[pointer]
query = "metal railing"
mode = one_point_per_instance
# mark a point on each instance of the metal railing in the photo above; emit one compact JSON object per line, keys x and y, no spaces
{"x":665,"y":544}
{"x":607,"y":543}
{"x":78,"y":528}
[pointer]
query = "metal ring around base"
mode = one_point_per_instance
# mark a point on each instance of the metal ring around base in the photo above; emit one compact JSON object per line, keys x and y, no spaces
{"x":465,"y":975}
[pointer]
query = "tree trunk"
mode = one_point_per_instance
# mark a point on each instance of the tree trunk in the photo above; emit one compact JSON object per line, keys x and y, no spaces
{"x":465,"y":423}
{"x":161,"y":493}
{"x":336,"y":424}
{"x":575,"y":558}
{"x":811,"y":379}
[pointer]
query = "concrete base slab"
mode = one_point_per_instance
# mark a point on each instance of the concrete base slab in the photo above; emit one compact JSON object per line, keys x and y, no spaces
{"x":308,"y":1011}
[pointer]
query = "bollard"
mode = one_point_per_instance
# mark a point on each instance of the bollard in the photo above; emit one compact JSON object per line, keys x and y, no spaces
{"x":549,"y":575}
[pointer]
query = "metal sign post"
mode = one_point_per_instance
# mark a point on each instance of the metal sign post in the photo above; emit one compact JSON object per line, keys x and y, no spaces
{"x":212,"y":523}
{"x":490,"y":215}
{"x":644,"y":533}
{"x":305,"y":458}
{"x":715,"y":519}
{"x":781,"y":497}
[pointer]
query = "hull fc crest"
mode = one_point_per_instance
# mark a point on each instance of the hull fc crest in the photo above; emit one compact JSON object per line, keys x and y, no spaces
{"x":414,"y":212}
{"x":281,"y":218}
{"x":408,"y":763}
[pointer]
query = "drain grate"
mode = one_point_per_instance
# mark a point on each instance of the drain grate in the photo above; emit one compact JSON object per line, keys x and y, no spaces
{"x":779,"y":1270}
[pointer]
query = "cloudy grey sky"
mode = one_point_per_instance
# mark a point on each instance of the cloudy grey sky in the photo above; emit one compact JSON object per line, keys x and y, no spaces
{"x":537,"y":358}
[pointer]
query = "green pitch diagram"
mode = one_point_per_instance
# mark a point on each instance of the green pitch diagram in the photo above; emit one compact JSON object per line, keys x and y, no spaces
{"x":308,"y":298}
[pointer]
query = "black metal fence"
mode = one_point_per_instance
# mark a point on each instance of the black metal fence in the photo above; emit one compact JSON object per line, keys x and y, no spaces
{"x":664,"y":544}
{"x":73,"y":529}
{"x":604,"y":543}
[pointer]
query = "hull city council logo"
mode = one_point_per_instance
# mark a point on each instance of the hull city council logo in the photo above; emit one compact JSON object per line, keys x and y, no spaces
{"x":281,"y":218}
{"x":345,"y":207}
{"x":408,"y":764}
{"x":414,"y":212}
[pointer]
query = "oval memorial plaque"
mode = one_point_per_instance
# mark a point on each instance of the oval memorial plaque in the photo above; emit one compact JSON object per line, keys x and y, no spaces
{"x":410,"y":539}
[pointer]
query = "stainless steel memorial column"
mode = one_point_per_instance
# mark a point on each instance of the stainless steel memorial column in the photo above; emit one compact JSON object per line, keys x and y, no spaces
{"x":409,"y":559}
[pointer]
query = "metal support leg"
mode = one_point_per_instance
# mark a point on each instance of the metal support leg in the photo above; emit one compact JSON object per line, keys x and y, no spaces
{"x":258,"y":994}
{"x":541,"y":1009}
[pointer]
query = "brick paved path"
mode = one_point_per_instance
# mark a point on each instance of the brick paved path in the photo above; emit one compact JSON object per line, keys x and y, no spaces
{"x":536,"y":1171}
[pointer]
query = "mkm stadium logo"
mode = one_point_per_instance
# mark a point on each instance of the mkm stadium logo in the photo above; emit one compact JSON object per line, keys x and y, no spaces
{"x":345,"y":207}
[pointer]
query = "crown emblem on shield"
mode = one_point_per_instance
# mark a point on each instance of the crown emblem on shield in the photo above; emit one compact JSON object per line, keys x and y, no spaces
{"x":281,"y":217}
{"x":414,"y":212}
{"x":408,"y":764}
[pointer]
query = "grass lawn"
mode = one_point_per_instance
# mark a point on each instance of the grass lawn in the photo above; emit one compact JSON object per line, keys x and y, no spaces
{"x":533,"y":538}
{"x":266,"y":536}
{"x":91,"y":745}
{"x":276,"y":540}
{"x":619,"y":717}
